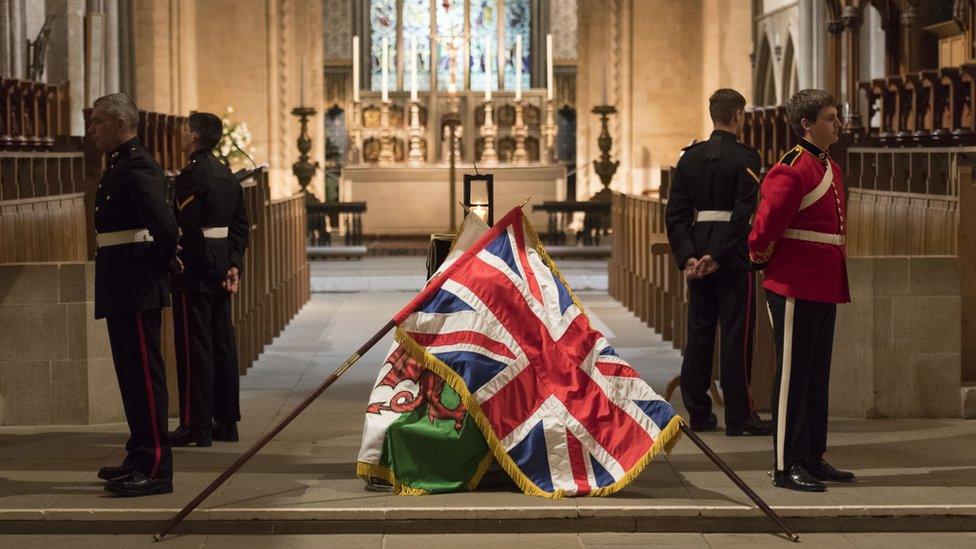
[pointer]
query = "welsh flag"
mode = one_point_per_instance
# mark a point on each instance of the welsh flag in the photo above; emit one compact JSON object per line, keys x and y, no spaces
{"x":558,"y":409}
{"x":418,"y":435}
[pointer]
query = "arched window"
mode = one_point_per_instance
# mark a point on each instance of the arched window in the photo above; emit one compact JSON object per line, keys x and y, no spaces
{"x":451,"y":36}
{"x":791,"y":83}
{"x":765,"y":77}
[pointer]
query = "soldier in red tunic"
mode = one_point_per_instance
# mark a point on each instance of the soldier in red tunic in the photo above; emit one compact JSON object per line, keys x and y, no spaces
{"x":797,"y":240}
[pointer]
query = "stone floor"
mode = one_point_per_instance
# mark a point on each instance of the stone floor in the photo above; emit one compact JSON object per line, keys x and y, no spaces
{"x":915,"y":475}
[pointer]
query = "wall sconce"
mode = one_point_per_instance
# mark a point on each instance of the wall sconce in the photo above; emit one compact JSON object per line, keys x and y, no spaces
{"x":777,"y":49}
{"x":479,"y":196}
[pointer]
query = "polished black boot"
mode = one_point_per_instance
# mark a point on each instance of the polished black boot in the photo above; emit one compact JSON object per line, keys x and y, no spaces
{"x":754,"y":427}
{"x":797,"y":478}
{"x":824,"y":471}
{"x":185,"y":436}
{"x":224,"y":432}
{"x":112,"y":473}
{"x":137,"y":484}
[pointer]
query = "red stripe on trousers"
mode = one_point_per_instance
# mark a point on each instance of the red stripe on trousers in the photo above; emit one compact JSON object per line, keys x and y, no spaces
{"x":149,"y":394}
{"x":577,"y":461}
{"x":186,"y":351}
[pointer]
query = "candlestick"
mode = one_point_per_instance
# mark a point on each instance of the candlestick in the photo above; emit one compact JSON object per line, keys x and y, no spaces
{"x":518,"y":67}
{"x":488,"y":131}
{"x":355,"y":69}
{"x":385,"y":59}
{"x":413,"y":69}
{"x":416,"y":134}
{"x":519,"y":132}
{"x":550,"y":84}
{"x":487,"y":69}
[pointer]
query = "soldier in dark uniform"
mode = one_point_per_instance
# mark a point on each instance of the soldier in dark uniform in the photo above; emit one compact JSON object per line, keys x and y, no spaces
{"x":798,"y":240}
{"x":713,"y":196}
{"x":136,"y":238}
{"x":210,"y":210}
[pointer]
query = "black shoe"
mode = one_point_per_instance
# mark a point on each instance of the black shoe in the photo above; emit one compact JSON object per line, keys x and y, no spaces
{"x":797,"y":478}
{"x":112,"y":473}
{"x":224,"y":432}
{"x":754,"y":426}
{"x":707,"y":425}
{"x":826,"y":472}
{"x":185,"y":437}
{"x":137,"y":484}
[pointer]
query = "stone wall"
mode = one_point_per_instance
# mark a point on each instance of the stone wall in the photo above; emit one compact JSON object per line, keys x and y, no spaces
{"x":55,"y":362}
{"x":897,"y":345}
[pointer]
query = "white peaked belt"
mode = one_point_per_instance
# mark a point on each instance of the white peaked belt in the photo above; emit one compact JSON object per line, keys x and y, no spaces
{"x":117,"y":238}
{"x":713,"y":215}
{"x":814,"y":236}
{"x":215,"y":232}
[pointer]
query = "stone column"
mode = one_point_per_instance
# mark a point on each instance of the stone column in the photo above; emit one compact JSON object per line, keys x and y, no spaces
{"x":5,"y":38}
{"x":852,"y":52}
{"x":66,"y":56}
{"x":110,"y":10}
{"x":833,"y":55}
{"x":18,"y":39}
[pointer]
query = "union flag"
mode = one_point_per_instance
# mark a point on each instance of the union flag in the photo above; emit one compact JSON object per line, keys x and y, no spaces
{"x":561,"y":412}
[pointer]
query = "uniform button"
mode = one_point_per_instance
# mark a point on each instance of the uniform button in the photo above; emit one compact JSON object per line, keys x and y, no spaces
{"x":108,"y":197}
{"x":96,"y":208}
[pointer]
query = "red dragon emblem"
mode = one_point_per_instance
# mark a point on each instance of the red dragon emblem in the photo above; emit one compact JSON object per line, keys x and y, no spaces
{"x":406,"y":368}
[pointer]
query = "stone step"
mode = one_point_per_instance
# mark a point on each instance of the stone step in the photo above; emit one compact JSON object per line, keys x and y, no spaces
{"x":529,"y":519}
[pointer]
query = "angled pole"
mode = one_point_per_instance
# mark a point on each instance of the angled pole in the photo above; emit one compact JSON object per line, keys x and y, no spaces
{"x":274,"y":431}
{"x":724,"y":467}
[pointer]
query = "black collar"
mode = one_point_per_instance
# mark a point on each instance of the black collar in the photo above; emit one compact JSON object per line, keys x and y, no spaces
{"x":725,"y":134}
{"x":200,"y":153}
{"x":813,"y":149}
{"x":124,"y":147}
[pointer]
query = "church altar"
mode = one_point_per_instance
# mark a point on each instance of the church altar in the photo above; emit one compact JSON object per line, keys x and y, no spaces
{"x":416,"y":200}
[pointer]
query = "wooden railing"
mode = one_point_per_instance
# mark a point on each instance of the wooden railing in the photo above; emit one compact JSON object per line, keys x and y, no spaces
{"x":326,"y":219}
{"x":276,"y":275}
{"x":42,"y":207}
{"x":33,"y":115}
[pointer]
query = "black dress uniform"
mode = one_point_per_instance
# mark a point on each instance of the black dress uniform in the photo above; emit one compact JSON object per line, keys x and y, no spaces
{"x":712,"y":197}
{"x":210,"y":210}
{"x":136,"y":240}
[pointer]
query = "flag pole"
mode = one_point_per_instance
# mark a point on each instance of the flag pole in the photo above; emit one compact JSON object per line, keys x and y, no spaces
{"x":724,"y":467}
{"x":274,"y":431}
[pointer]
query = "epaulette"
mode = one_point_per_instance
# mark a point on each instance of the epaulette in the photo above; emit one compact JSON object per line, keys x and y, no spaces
{"x":791,"y":156}
{"x":749,"y":147}
{"x":694,"y":144}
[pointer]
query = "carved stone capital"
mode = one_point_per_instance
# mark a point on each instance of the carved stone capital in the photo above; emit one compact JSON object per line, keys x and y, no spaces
{"x":835,"y":28}
{"x":909,"y":16}
{"x":851,"y":17}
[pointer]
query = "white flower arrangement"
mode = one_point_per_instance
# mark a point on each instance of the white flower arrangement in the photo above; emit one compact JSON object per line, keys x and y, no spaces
{"x":233,"y":141}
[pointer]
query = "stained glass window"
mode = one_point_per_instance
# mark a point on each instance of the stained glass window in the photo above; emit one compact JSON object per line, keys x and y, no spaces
{"x":416,"y":22}
{"x":382,"y":23}
{"x":460,"y":28}
{"x":450,"y":44}
{"x":516,"y":23}
{"x":484,"y":25}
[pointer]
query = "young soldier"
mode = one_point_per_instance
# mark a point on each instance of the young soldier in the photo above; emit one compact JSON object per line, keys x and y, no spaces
{"x":798,"y":239}
{"x":713,"y":197}
{"x":210,"y":210}
{"x":136,"y":238}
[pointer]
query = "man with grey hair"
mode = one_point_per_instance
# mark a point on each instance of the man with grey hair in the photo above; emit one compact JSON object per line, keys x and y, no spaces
{"x":136,"y":238}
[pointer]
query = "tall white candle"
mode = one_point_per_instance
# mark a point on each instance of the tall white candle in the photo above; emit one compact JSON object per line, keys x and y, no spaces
{"x":301,"y":82}
{"x":487,"y":69}
{"x":518,"y":67}
{"x":355,"y":69}
{"x":413,"y":68}
{"x":550,"y":82}
{"x":386,"y":62}
{"x":604,"y":85}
